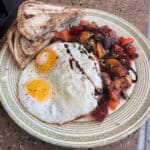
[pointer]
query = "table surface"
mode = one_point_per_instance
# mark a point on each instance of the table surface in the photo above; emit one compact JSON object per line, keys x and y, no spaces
{"x":13,"y":137}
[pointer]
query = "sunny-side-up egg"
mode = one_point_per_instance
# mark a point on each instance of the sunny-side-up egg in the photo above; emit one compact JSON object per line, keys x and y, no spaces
{"x":59,"y":85}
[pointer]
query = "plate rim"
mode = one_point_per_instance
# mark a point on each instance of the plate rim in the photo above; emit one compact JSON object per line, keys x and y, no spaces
{"x":136,"y":126}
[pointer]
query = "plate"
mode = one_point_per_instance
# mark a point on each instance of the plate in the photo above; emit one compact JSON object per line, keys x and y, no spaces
{"x":128,"y":118}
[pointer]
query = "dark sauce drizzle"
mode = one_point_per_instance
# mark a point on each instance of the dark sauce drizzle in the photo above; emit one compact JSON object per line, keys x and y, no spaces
{"x":97,"y":90}
{"x":136,"y":76}
{"x":71,"y":63}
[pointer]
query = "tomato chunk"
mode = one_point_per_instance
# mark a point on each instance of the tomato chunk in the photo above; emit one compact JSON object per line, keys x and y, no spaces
{"x":124,"y":41}
{"x":113,"y":104}
{"x":131,"y":50}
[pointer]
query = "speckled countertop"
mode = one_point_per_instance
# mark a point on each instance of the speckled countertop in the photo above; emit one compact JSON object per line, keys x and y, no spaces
{"x":13,"y":137}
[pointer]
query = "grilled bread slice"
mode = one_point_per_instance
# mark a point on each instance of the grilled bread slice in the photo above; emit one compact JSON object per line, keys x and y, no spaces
{"x":22,"y":49}
{"x":13,"y":39}
{"x":36,"y":18}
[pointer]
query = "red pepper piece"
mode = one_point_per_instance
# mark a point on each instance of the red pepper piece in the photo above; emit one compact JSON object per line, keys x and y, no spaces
{"x":113,"y":95}
{"x":119,"y":71}
{"x":131,"y":50}
{"x":119,"y":50}
{"x":124,"y":41}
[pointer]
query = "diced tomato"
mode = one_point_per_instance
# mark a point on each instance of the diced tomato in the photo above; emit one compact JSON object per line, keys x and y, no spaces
{"x":113,"y":104}
{"x":64,"y":35}
{"x":131,"y":50}
{"x":113,"y":95}
{"x":119,"y":71}
{"x":119,"y":50}
{"x":124,"y":41}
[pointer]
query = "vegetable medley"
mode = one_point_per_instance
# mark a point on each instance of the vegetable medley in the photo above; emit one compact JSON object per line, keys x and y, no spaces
{"x":114,"y":55}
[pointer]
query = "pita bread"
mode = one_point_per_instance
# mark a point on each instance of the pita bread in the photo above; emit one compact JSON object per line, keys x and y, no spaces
{"x":36,"y":18}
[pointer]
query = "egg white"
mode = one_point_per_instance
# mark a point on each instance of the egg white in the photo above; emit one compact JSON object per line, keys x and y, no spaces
{"x":72,"y":92}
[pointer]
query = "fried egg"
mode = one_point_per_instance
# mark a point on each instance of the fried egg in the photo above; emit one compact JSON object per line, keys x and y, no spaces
{"x":58,"y":86}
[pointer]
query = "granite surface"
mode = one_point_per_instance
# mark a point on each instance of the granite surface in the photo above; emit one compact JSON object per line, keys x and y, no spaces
{"x":13,"y":137}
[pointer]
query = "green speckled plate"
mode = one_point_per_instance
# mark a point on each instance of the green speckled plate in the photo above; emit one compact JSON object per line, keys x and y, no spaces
{"x":116,"y":126}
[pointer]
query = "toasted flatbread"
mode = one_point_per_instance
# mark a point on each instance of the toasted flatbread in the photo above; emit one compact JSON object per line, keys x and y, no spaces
{"x":13,"y":38}
{"x":36,"y":18}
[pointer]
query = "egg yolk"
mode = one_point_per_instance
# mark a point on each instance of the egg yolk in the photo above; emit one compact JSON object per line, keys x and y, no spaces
{"x":45,"y":60}
{"x":39,"y":89}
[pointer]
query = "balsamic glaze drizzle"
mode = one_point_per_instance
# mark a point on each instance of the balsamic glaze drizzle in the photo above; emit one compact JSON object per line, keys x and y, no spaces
{"x":71,"y":63}
{"x":79,"y":67}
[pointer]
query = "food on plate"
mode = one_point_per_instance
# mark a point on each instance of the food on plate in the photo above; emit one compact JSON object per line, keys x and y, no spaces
{"x":35,"y":27}
{"x":69,"y":71}
{"x":60,"y":84}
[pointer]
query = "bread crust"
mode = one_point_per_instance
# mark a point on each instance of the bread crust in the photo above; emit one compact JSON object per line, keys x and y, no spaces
{"x":13,"y":37}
